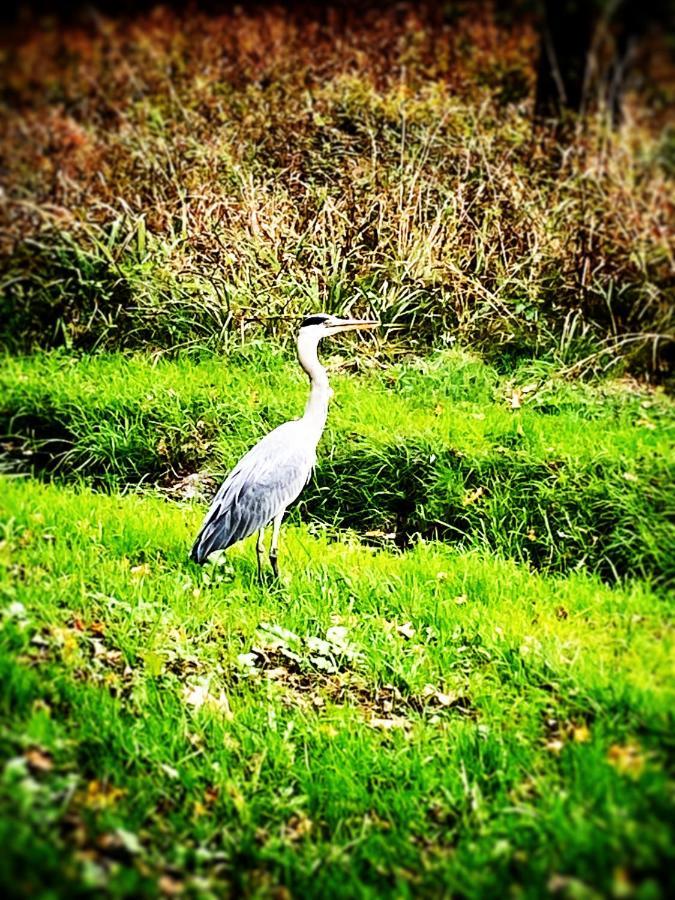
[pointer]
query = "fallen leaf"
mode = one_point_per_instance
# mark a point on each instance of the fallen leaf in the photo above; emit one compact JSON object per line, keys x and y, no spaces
{"x":627,"y":759}
{"x":407,"y":630}
{"x":554,"y":746}
{"x":581,"y":734}
{"x":170,"y":886}
{"x":248,"y":660}
{"x":199,"y":695}
{"x":337,"y":634}
{"x":38,"y":760}
{"x":573,"y":887}
{"x":514,"y":400}
{"x":445,"y":699}
{"x":299,"y":826}
{"x":15,"y":610}
{"x":140,"y":571}
{"x":129,"y":841}
{"x":473,"y":496}
{"x":211,"y":795}
{"x":388,"y":724}
{"x":102,"y":796}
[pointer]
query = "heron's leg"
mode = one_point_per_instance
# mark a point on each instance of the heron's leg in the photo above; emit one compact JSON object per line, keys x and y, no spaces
{"x":275,"y":542}
{"x":260,"y":550}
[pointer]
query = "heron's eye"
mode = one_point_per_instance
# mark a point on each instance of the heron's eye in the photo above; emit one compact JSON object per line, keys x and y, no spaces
{"x":314,"y":320}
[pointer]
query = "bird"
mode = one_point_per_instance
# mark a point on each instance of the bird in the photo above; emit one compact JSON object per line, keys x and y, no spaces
{"x":273,"y":473}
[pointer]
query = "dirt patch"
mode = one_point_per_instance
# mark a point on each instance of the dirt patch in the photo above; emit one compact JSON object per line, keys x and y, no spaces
{"x":311,"y":672}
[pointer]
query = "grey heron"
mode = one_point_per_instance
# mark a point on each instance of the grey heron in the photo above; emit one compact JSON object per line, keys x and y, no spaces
{"x":273,"y":473}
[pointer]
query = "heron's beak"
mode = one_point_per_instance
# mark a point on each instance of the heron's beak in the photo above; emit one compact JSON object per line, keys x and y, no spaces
{"x":353,"y":325}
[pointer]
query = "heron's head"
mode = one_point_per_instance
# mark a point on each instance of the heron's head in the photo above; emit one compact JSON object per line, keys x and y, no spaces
{"x":319,"y":326}
{"x":323,"y":325}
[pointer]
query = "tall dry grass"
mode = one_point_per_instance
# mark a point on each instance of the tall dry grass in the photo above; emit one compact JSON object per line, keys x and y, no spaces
{"x":170,"y":178}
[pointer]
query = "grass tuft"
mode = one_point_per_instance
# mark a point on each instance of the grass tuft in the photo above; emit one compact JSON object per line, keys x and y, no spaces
{"x":554,"y":475}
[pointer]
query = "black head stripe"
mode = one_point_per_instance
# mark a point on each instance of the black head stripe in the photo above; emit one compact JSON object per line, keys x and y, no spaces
{"x":314,"y":320}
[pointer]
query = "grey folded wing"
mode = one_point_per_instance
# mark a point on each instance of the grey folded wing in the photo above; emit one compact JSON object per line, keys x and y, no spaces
{"x":262,"y":484}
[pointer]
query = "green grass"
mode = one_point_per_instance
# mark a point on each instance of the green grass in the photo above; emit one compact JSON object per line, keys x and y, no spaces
{"x":577,"y":476}
{"x":475,"y":727}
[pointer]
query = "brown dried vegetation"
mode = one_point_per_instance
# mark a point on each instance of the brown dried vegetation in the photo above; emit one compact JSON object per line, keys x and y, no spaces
{"x":171,"y":176}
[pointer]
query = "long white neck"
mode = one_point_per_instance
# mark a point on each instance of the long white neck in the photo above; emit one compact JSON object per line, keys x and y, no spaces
{"x":316,"y":410}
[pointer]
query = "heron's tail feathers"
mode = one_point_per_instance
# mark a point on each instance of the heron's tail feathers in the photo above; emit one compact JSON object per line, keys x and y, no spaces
{"x":216,"y":534}
{"x":196,"y":554}
{"x":205,"y":544}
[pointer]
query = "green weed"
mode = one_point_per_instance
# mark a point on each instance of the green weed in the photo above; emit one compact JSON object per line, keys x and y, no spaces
{"x":456,"y":723}
{"x":554,"y":475}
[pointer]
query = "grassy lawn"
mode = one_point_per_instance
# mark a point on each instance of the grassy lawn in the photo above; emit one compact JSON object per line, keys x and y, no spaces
{"x":557,"y":475}
{"x":381,"y":723}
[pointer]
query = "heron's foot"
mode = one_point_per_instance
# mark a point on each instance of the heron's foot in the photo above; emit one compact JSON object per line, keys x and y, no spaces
{"x":275,"y":566}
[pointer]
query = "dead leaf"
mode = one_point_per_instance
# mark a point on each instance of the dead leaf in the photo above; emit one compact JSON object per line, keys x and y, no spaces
{"x":514,"y":400}
{"x":461,"y":599}
{"x":572,"y":887}
{"x":445,"y":699}
{"x":39,"y":760}
{"x":299,"y":826}
{"x":388,"y":724}
{"x":199,"y":695}
{"x":473,"y":496}
{"x":561,"y":613}
{"x":581,"y":734}
{"x":170,"y":886}
{"x":102,"y":796}
{"x":627,"y":759}
{"x":407,"y":630}
{"x":120,"y":840}
{"x":555,"y":746}
{"x":141,"y":570}
{"x":211,"y":794}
